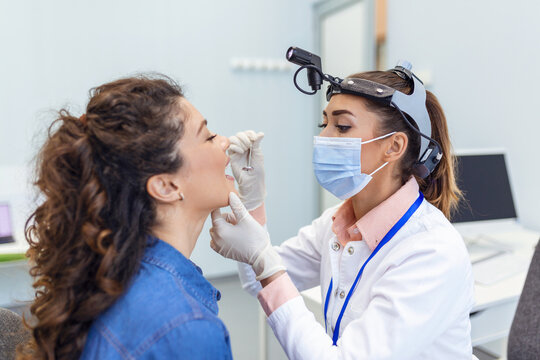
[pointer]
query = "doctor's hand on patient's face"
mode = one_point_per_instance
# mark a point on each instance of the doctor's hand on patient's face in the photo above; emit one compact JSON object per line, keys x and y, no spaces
{"x":250,"y":182}
{"x":240,"y":237}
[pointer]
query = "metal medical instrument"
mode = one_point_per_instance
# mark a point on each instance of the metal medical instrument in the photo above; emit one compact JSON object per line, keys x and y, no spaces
{"x":249,"y":167}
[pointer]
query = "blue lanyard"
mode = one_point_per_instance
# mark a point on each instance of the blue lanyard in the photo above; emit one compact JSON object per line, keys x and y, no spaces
{"x":386,"y":238}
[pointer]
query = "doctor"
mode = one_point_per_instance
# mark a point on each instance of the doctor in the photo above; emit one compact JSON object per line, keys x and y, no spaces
{"x":395,"y":275}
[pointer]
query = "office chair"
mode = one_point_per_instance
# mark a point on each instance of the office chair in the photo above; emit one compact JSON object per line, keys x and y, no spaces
{"x":524,"y":337}
{"x":12,"y":333}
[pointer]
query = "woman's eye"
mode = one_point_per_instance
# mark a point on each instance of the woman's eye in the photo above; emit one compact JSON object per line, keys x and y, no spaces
{"x":322,"y":126}
{"x":343,"y":128}
{"x":211,"y":138}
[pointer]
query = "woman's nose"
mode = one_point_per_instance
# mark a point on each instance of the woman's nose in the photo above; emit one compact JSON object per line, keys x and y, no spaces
{"x":225,"y":143}
{"x":325,"y":132}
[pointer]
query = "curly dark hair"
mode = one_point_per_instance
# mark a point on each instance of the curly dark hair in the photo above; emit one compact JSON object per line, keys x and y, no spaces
{"x":89,"y":233}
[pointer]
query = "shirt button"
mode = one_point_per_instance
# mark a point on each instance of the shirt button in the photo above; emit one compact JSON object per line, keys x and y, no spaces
{"x":342,"y":294}
{"x":351,"y":250}
{"x":335,"y":246}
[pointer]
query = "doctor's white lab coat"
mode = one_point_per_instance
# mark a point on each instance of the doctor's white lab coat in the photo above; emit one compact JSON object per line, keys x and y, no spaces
{"x":412,"y":301}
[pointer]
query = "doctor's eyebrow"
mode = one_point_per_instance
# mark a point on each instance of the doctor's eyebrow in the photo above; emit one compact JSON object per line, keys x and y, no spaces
{"x":203,"y":124}
{"x":338,"y":112}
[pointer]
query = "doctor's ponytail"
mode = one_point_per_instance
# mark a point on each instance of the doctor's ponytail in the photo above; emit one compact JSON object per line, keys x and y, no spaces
{"x":440,"y":187}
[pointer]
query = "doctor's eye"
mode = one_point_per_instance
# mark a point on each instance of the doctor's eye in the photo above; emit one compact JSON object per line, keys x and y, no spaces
{"x":322,"y":126}
{"x":343,"y":128}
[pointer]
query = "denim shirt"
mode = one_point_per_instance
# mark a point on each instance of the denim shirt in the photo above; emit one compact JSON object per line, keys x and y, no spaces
{"x":168,"y":312}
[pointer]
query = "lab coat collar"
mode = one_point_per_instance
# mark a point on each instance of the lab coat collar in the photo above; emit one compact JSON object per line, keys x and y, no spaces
{"x":374,"y":225}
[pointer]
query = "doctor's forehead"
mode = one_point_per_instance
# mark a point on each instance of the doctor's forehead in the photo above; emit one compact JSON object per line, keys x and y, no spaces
{"x":345,"y":104}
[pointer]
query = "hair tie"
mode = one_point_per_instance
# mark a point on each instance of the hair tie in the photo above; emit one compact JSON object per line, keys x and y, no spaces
{"x":83,"y":119}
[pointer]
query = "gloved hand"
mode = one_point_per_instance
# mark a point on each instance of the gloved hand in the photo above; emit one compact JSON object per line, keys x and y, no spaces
{"x":250,"y":183}
{"x":242,"y":238}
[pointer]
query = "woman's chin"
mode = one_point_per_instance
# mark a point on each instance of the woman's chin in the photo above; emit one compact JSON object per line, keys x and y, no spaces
{"x":231,"y":188}
{"x":225,"y":197}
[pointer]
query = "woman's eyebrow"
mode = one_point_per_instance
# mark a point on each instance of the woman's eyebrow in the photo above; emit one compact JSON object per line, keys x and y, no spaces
{"x":203,"y":123}
{"x":338,"y":112}
{"x":341,"y":112}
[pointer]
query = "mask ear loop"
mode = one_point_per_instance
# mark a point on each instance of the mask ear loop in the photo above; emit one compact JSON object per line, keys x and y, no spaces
{"x":379,"y":168}
{"x":378,"y":138}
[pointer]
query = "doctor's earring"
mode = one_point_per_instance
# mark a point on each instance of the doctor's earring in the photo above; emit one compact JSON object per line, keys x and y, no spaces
{"x":180,"y":196}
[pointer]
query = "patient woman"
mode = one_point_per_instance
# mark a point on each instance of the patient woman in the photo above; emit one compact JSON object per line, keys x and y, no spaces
{"x":126,"y":189}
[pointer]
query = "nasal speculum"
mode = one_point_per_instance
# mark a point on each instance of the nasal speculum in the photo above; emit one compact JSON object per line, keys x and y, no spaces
{"x":248,"y":167}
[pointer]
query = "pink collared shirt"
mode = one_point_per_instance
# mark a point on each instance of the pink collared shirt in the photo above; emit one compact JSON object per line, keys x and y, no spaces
{"x":371,"y":228}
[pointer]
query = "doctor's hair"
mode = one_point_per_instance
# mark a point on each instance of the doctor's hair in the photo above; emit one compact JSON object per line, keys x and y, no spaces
{"x":440,"y":187}
{"x":89,"y":232}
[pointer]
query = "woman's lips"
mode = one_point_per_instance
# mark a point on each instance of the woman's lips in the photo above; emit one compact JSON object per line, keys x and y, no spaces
{"x":229,"y":177}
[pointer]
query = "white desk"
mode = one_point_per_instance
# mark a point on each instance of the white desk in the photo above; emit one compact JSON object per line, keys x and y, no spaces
{"x":495,"y":305}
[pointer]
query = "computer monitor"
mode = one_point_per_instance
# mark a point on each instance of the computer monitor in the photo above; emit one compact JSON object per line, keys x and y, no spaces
{"x":6,"y":231}
{"x":483,"y":179}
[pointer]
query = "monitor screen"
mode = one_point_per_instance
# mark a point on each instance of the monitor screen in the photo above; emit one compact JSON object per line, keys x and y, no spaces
{"x":6,"y":234}
{"x":486,"y":189}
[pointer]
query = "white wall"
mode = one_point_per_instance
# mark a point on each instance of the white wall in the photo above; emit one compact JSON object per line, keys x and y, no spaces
{"x":355,"y":20}
{"x":53,"y":52}
{"x":483,"y":58}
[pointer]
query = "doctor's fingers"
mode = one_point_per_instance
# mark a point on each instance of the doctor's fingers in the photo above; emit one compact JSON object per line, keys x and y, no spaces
{"x":212,"y":243}
{"x":236,"y":150}
{"x":215,"y":246}
{"x":253,"y":139}
{"x":218,"y":219}
{"x":215,"y":242}
{"x":257,"y":140}
{"x":247,"y":137}
{"x":250,"y":137}
{"x":243,"y":139}
{"x":219,"y":245}
{"x":237,"y":144}
{"x":230,"y":218}
{"x":239,"y":210}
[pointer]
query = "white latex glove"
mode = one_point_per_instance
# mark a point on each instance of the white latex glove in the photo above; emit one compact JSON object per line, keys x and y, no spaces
{"x":250,"y":183}
{"x":243,"y":239}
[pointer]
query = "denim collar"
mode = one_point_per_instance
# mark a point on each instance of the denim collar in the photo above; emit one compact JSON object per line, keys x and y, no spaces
{"x":163,"y":255}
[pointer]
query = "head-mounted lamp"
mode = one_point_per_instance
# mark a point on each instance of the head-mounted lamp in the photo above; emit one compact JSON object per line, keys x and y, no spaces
{"x":413,"y":105}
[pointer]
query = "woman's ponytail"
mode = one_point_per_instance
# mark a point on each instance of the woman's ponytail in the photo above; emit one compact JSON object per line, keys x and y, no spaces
{"x":440,"y":187}
{"x":60,"y":232}
{"x":90,"y":230}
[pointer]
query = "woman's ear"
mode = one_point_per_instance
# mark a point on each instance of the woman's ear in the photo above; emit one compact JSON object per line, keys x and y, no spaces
{"x":397,"y":145}
{"x":162,"y":187}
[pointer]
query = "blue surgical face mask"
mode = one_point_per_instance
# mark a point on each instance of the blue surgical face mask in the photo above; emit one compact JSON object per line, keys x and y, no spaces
{"x":336,"y":162}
